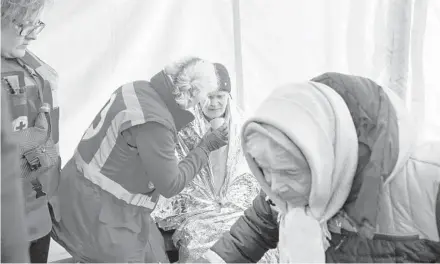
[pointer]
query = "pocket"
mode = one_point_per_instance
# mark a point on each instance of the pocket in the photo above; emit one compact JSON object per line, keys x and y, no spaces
{"x":118,"y":235}
{"x":19,"y":99}
{"x":115,"y":216}
{"x":42,"y":157}
{"x":19,"y":111}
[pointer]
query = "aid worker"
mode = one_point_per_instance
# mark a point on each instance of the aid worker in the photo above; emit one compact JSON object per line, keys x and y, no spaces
{"x":31,"y":86}
{"x":126,"y":159}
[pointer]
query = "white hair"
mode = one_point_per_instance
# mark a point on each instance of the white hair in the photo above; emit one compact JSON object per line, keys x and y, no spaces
{"x":258,"y":145}
{"x":281,"y":162}
{"x":191,"y":76}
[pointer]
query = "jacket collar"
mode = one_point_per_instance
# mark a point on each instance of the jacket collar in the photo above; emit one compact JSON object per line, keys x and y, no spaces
{"x":164,"y":87}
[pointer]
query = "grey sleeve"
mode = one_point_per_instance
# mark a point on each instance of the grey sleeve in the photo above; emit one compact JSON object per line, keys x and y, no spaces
{"x":156,"y":146}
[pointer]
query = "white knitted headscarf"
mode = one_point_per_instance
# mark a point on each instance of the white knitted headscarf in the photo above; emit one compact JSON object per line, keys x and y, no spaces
{"x":314,"y":119}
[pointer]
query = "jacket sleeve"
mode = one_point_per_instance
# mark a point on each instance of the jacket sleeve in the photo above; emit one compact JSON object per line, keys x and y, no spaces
{"x":250,"y":237}
{"x":14,"y":246}
{"x":156,"y":146}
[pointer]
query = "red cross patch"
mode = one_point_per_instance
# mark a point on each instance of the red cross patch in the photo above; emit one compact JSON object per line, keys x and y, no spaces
{"x":20,"y":123}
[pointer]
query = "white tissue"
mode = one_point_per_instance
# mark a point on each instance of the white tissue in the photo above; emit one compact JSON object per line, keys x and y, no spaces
{"x":301,"y":239}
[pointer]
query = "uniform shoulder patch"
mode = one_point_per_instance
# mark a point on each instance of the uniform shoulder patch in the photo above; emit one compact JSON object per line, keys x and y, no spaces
{"x":20,"y":123}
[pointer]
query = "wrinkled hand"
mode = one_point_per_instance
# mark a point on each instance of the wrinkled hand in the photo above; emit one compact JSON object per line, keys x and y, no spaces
{"x":215,"y":139}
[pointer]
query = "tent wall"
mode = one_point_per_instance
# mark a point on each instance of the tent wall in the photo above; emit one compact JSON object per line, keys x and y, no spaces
{"x":425,"y":86}
{"x":295,"y":40}
{"x":98,"y":45}
{"x":398,"y":29}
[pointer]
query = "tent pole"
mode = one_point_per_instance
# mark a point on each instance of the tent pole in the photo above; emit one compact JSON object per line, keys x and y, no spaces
{"x":238,"y":56}
{"x":399,"y":30}
{"x":417,"y":88}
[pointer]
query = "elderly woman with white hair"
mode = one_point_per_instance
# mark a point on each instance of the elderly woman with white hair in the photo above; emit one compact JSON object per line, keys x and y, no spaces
{"x":344,"y":178}
{"x":31,"y":87}
{"x":126,"y":159}
{"x":221,"y":191}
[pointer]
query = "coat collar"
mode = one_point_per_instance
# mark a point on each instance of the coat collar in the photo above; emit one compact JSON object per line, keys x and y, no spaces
{"x":163,"y":86}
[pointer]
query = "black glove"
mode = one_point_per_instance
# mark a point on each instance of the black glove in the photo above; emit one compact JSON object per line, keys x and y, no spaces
{"x":215,"y":139}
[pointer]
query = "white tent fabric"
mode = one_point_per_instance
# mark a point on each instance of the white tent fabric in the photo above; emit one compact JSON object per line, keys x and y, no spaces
{"x":99,"y":45}
{"x":425,"y":85}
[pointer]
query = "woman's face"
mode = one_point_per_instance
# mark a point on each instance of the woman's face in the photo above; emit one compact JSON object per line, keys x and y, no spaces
{"x":200,"y":97}
{"x":215,"y":104}
{"x":290,"y":185}
{"x":286,"y":172}
{"x":17,"y":36}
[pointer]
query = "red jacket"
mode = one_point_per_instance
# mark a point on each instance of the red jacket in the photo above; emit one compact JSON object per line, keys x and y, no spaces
{"x":28,"y":81}
{"x":124,"y":161}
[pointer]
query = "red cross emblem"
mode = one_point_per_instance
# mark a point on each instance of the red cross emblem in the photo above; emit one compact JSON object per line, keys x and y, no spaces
{"x":20,"y":123}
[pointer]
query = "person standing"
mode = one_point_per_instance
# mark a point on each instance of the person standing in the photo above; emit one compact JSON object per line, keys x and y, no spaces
{"x":31,"y":86}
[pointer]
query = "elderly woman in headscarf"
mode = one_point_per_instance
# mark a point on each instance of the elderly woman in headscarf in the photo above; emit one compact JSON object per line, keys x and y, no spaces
{"x":343,"y":178}
{"x":31,"y":87}
{"x":221,"y":191}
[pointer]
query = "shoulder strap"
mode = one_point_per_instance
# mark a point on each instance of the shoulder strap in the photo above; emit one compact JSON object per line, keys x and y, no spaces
{"x":33,"y":64}
{"x":29,"y":64}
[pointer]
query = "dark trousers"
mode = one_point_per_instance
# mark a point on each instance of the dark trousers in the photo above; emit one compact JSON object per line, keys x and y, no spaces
{"x":171,"y":250}
{"x":39,"y":249}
